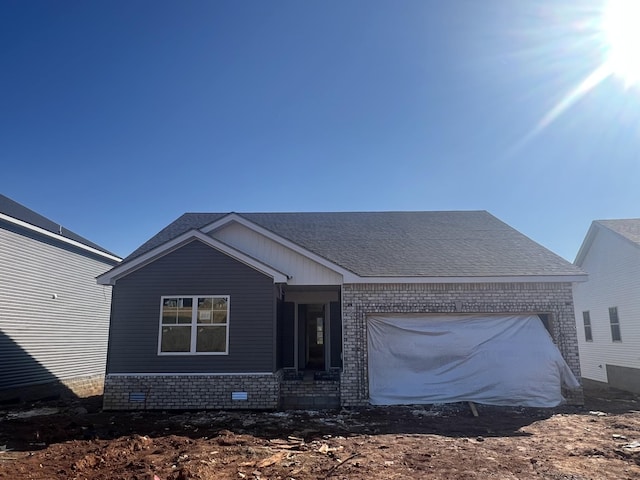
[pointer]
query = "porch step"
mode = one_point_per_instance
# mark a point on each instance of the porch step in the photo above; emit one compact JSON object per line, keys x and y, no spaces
{"x":300,"y":402}
{"x":308,"y":392}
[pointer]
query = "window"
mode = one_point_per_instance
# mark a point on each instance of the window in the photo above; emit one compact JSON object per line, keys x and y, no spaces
{"x":615,"y":324}
{"x":586,"y":320}
{"x":194,"y":325}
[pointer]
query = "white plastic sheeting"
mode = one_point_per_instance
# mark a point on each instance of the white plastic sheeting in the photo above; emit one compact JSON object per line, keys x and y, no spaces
{"x":495,"y":360}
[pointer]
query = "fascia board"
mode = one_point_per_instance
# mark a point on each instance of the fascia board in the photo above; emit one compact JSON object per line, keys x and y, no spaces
{"x":110,"y":277}
{"x":351,"y":277}
{"x":586,"y":243}
{"x":57,"y":237}
{"x":502,"y":279}
{"x":234,"y":217}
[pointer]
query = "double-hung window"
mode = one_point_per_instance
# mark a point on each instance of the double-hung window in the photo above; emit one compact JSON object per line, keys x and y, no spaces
{"x":194,"y":325}
{"x":586,"y":320}
{"x":614,"y":321}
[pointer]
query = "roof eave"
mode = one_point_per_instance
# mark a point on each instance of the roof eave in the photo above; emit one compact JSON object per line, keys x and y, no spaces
{"x":568,"y":278}
{"x":586,"y":243}
{"x":59,"y":238}
{"x":124,"y":269}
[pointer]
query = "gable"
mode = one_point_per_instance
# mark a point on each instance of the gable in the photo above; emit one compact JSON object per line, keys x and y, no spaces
{"x":186,"y":269}
{"x":301,"y":269}
{"x":126,"y":268}
{"x":608,"y":252}
{"x":609,"y":234}
{"x":375,"y":247}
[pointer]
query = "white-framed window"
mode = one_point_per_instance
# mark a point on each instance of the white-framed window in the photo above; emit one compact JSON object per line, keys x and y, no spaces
{"x":586,"y":320}
{"x":614,"y":321}
{"x":194,"y":325}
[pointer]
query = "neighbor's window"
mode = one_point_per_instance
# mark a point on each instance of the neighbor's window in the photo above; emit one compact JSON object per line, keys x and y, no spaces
{"x":586,"y":320}
{"x":615,"y":324}
{"x":198,"y":325}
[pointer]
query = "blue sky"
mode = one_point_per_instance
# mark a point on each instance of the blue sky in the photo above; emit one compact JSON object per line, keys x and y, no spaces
{"x":117,"y":117}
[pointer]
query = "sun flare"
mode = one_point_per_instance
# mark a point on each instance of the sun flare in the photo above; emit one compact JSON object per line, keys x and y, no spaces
{"x":617,"y":42}
{"x":621,"y":27}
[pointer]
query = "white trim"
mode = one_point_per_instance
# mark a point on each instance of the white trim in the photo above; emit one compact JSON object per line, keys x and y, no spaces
{"x":234,"y":217}
{"x":194,"y":326}
{"x":110,"y":277}
{"x":595,"y":228}
{"x":255,"y":374}
{"x":497,"y":279}
{"x":350,"y":277}
{"x":58,"y":237}
{"x":586,"y":244}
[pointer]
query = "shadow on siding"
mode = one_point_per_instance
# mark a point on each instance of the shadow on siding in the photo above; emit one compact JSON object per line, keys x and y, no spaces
{"x":23,"y":378}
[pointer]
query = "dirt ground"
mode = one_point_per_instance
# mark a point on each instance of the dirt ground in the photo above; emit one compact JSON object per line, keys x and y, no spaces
{"x":54,"y":440}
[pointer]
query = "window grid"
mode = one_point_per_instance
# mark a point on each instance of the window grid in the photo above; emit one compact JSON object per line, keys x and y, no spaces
{"x":191,"y":325}
{"x":614,"y":320}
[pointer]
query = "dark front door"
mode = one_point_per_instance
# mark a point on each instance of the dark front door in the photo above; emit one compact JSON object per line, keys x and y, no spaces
{"x":311,"y":337}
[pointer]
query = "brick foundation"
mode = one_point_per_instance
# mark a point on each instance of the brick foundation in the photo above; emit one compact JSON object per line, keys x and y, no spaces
{"x":186,"y":392}
{"x":75,"y":387}
{"x":317,"y":391}
{"x":360,"y":300}
{"x":266,"y":391}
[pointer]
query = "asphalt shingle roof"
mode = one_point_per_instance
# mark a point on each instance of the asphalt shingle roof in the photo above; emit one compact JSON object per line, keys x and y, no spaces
{"x":628,"y":228}
{"x":435,"y":244}
{"x":18,"y":211}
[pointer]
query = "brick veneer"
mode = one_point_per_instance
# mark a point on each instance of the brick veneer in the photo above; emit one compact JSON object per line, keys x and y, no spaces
{"x":192,"y":391}
{"x":360,"y":300}
{"x":68,"y":388}
{"x":320,"y":391}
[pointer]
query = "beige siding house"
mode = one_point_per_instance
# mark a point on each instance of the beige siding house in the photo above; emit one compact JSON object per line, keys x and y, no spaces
{"x":607,"y":307}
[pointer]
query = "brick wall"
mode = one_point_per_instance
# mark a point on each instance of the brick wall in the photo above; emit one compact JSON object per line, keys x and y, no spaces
{"x":318,"y":391}
{"x":166,"y":392}
{"x":360,"y":300}
{"x":87,"y":386}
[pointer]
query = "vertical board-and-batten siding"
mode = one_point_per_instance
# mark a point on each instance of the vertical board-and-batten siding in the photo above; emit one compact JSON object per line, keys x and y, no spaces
{"x":193,"y":269}
{"x":613,"y":265}
{"x":45,"y":339}
{"x":303,"y":271}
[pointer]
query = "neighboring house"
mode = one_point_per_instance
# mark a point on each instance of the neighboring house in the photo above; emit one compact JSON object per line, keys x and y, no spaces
{"x":271,"y":310}
{"x":53,"y":317}
{"x":608,"y":305}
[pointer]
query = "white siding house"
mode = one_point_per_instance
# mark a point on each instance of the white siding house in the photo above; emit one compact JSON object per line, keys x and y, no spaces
{"x":607,"y":306}
{"x":54,"y":319}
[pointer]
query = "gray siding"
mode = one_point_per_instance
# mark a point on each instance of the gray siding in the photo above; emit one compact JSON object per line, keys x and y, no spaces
{"x":45,"y":339}
{"x":194,"y":269}
{"x":624,"y":378}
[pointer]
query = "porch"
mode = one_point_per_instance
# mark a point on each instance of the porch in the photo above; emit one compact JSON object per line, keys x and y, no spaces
{"x":310,"y":346}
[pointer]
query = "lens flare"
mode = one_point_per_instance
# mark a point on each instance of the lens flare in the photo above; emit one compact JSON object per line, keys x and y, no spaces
{"x":621,"y":28}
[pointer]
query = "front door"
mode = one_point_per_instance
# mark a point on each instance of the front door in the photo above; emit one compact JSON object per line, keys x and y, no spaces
{"x":311,"y":337}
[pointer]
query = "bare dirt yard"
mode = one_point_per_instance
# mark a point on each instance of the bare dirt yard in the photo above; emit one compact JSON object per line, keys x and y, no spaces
{"x":54,"y":440}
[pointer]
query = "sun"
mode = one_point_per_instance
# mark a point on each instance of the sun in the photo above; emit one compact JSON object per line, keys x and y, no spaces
{"x":614,"y":35}
{"x":621,"y":28}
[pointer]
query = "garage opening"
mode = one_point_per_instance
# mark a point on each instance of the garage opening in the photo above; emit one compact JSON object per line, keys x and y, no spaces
{"x":507,"y":360}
